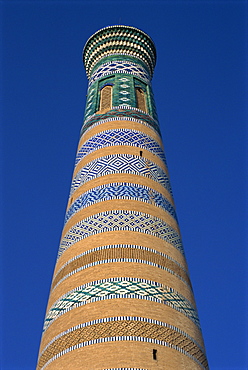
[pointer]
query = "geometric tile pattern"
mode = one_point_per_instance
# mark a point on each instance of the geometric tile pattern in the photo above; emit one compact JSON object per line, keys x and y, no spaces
{"x":120,"y":137}
{"x":153,"y":105}
{"x":122,"y":112}
{"x":119,"y":164}
{"x":125,"y":92}
{"x":116,"y":220}
{"x":91,"y":100}
{"x":115,"y":288}
{"x":120,"y":66}
{"x":122,"y":328}
{"x":120,"y":253}
{"x":115,"y":191}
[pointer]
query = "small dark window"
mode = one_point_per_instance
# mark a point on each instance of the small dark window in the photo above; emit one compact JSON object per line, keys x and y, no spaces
{"x":154,"y":353}
{"x":141,"y":153}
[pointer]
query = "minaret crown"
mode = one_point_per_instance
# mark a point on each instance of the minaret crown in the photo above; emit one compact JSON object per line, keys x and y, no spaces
{"x":119,"y":40}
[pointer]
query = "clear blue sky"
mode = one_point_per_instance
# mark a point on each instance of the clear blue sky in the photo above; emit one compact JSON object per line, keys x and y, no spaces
{"x":200,"y":91}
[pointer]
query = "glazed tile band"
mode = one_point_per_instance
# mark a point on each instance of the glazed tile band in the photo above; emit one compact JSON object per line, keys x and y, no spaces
{"x":115,"y":288}
{"x":117,"y":137}
{"x":114,"y":191}
{"x":117,"y":220}
{"x":118,"y":164}
{"x":119,"y":66}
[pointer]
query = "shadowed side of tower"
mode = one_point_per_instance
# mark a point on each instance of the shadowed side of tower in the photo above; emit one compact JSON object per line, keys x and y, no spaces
{"x":121,"y":296}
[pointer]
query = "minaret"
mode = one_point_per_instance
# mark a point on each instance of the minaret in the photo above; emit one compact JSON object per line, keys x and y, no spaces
{"x":121,"y":296}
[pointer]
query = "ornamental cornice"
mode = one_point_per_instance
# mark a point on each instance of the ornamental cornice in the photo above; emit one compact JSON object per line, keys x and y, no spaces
{"x":119,"y":40}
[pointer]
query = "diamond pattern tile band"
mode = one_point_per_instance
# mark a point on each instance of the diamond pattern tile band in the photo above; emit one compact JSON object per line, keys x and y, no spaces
{"x":115,"y":288}
{"x":120,"y":137}
{"x":117,"y":164}
{"x":129,"y":328}
{"x":121,"y":220}
{"x":126,"y":191}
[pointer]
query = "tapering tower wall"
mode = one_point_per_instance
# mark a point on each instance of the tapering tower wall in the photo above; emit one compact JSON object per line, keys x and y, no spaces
{"x":121,"y":295}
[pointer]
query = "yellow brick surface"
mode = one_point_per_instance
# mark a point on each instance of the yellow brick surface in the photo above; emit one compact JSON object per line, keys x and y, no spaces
{"x":108,"y":125}
{"x":118,"y":178}
{"x":121,"y":204}
{"x":113,"y":254}
{"x":120,"y":329}
{"x":120,"y":269}
{"x":119,"y":149}
{"x":123,"y":355}
{"x":121,"y":307}
{"x":120,"y":237}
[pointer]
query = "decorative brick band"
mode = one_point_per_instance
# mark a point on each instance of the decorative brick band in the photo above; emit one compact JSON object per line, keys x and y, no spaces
{"x":115,"y":191}
{"x":120,"y":163}
{"x":125,"y":287}
{"x":125,"y":328}
{"x":116,"y":137}
{"x":120,"y":253}
{"x":117,"y":220}
{"x":122,"y":112}
{"x":113,"y":119}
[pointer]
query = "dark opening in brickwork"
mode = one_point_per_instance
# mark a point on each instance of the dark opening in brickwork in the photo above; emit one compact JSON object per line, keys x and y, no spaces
{"x":154,"y":354}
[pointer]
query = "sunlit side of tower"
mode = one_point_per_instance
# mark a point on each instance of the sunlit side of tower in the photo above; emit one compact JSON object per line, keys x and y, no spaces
{"x":121,"y":296}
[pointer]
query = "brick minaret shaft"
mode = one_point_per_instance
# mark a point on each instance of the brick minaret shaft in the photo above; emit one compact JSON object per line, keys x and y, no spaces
{"x":121,"y":296}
